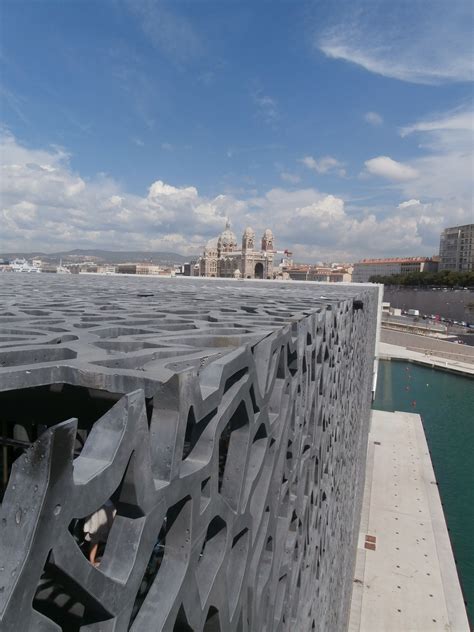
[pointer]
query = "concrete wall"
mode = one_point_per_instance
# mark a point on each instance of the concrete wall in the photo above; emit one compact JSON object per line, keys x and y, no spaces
{"x":228,"y":423}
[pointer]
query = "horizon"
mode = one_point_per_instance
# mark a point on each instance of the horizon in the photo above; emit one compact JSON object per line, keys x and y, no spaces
{"x":38,"y":252}
{"x":345,"y":127}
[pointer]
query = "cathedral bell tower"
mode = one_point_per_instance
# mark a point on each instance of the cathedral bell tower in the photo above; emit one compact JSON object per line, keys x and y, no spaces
{"x":248,"y":239}
{"x":267,"y":240}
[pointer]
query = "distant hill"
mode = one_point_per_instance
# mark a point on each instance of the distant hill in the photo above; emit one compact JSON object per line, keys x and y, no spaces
{"x":107,"y":256}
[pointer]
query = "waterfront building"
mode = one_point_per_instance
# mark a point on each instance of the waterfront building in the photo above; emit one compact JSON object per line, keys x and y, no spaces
{"x":223,"y":258}
{"x":147,"y":269}
{"x":340,"y":276}
{"x":456,"y":248}
{"x":323,"y":274}
{"x":367,"y":268}
{"x":107,"y":269}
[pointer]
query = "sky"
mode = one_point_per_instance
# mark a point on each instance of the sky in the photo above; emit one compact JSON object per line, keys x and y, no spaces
{"x":345,"y":127}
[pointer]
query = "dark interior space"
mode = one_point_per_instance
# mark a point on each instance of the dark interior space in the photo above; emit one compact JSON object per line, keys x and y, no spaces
{"x":26,"y":413}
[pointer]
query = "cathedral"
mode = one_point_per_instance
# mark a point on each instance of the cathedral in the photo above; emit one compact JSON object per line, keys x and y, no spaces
{"x":223,"y":258}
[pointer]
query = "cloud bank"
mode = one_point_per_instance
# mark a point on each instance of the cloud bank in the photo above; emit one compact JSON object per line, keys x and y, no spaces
{"x":46,"y":205}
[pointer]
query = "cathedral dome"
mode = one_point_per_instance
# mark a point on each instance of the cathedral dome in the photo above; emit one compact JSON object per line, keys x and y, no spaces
{"x":249,"y":232}
{"x":227,"y":238}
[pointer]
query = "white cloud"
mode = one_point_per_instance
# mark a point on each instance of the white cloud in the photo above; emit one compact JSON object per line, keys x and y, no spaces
{"x":327,"y":164}
{"x":409,"y":204}
{"x":325,"y":212}
{"x":160,"y":190}
{"x":386,"y":167}
{"x":167,"y":146}
{"x":373,"y":118}
{"x":318,"y":226}
{"x":427,"y":43}
{"x":445,"y":170}
{"x":457,"y":120}
{"x":436,"y":187}
{"x":46,"y":205}
{"x":292,"y":178}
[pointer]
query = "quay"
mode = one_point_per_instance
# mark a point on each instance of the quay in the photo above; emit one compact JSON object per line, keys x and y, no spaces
{"x":426,"y":351}
{"x":405,"y":575}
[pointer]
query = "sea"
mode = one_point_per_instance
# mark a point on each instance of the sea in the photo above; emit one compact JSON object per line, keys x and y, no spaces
{"x":445,"y":402}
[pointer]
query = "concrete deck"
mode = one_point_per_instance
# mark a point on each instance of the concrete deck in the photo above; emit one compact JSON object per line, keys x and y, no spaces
{"x":405,"y":577}
{"x":387,"y":351}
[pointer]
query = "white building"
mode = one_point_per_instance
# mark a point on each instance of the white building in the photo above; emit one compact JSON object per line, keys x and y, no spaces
{"x":456,"y":248}
{"x":367,"y":268}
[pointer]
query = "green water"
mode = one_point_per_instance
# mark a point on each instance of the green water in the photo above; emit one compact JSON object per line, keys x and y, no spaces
{"x":446,"y":405}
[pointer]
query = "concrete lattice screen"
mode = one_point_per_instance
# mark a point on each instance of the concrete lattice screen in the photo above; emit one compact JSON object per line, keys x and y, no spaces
{"x":226,"y":421}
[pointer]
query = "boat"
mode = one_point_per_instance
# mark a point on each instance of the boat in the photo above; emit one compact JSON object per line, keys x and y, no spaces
{"x":61,"y":269}
{"x":22,"y":265}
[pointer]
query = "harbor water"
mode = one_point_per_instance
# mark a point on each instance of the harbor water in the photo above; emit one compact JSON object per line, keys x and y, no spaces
{"x":446,"y":405}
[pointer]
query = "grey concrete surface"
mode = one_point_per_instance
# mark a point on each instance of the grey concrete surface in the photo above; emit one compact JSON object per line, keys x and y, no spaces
{"x":394,"y":352}
{"x":422,"y":344}
{"x":405,"y":576}
{"x":226,"y":421}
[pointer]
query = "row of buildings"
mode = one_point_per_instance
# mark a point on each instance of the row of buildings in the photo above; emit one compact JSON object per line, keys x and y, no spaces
{"x":147,"y":269}
{"x":367,"y":268}
{"x":88,"y":267}
{"x":224,"y":257}
{"x":456,"y":253}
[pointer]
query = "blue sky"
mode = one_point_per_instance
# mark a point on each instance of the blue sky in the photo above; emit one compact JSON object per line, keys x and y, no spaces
{"x":344,"y":126}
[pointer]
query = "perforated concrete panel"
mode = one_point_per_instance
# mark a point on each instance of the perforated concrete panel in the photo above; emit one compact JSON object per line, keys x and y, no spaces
{"x":225,"y":421}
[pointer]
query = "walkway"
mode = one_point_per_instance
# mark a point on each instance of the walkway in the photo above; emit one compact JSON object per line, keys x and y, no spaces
{"x":405,"y":577}
{"x":442,"y":348}
{"x":388,"y":351}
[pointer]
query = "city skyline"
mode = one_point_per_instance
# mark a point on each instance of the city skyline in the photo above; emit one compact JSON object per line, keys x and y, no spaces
{"x":139,"y":125}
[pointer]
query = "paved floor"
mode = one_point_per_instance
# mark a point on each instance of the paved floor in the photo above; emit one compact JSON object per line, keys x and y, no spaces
{"x":387,"y":351}
{"x":405,"y":578}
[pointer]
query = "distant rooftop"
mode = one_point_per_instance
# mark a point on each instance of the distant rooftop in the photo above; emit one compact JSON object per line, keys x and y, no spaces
{"x":397,"y":260}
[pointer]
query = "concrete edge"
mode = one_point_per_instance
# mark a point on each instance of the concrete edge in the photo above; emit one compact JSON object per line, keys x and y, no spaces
{"x":357,"y":597}
{"x":457,"y":370}
{"x":449,"y":575}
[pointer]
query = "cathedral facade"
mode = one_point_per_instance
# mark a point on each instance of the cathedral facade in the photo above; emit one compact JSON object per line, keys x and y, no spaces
{"x":222,"y":256}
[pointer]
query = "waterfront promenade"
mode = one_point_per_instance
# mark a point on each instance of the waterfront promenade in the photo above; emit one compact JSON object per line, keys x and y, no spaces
{"x":405,"y":576}
{"x":426,"y":351}
{"x":429,"y":346}
{"x":395,"y":352}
